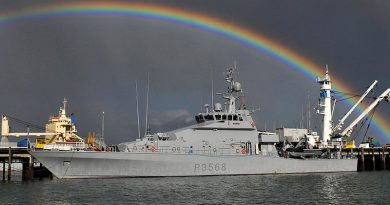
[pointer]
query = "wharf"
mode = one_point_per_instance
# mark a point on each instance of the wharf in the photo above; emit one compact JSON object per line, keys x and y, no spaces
{"x":10,"y":155}
{"x":370,"y":159}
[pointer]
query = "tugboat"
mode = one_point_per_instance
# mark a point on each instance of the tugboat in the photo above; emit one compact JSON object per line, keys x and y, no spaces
{"x":222,"y":142}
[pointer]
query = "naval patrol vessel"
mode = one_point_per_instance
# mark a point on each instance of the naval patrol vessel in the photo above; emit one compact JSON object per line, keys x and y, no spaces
{"x":224,"y":141}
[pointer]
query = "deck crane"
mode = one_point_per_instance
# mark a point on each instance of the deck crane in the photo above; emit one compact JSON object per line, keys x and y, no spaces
{"x":348,"y":131}
{"x":5,"y":130}
{"x":341,"y":122}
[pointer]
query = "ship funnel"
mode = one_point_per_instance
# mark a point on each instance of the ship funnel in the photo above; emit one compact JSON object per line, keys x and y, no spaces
{"x":4,"y":126}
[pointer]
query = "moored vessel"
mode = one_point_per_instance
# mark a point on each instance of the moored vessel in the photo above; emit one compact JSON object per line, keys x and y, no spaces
{"x":222,"y":142}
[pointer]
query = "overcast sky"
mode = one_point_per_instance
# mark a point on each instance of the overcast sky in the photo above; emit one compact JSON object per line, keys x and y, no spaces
{"x":94,"y":62}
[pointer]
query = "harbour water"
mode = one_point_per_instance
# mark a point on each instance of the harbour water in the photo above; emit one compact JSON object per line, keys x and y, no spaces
{"x":327,"y":188}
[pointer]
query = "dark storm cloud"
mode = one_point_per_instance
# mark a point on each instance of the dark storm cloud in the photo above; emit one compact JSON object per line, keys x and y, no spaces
{"x":95,"y":60}
{"x":347,"y":35}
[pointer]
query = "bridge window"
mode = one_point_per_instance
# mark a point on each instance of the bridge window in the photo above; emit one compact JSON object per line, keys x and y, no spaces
{"x":199,"y":118}
{"x":229,"y":117}
{"x":223,"y":117}
{"x":218,"y":117}
{"x":235,"y":118}
{"x":209,"y":117}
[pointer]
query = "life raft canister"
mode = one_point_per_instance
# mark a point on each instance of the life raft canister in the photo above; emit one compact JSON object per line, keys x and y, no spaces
{"x":152,"y":148}
{"x":243,"y":150}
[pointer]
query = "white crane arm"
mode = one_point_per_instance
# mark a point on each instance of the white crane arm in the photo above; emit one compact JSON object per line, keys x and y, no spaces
{"x":25,"y":134}
{"x":5,"y":130}
{"x":341,"y":122}
{"x":384,"y":96}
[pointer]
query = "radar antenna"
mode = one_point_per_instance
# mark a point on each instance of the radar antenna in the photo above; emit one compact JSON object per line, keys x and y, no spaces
{"x":234,"y":87}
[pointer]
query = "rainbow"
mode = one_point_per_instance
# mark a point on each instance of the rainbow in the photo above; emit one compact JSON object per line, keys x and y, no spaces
{"x":198,"y":21}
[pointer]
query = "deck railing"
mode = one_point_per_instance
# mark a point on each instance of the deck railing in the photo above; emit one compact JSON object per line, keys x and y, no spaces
{"x":187,"y":150}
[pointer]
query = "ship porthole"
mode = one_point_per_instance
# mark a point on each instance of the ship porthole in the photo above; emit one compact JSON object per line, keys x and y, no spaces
{"x":215,"y":149}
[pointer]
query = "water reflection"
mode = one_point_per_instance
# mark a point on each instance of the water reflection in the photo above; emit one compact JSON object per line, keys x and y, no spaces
{"x":334,"y":188}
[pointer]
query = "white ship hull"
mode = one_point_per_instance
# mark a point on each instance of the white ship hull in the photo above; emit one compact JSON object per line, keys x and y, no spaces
{"x":123,"y":164}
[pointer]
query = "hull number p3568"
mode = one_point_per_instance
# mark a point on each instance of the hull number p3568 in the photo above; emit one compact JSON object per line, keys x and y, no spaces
{"x":210,"y":167}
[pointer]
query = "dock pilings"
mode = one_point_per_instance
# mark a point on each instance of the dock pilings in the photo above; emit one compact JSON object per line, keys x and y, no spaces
{"x":4,"y":170}
{"x":9,"y":163}
{"x":371,"y":159}
{"x":10,"y":155}
{"x":362,"y":167}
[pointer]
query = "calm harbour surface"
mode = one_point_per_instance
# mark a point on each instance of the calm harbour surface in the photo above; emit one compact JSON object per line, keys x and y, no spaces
{"x":326,"y":188}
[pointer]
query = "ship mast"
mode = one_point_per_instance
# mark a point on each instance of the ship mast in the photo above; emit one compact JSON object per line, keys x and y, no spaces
{"x":136,"y":91}
{"x":63,"y":109}
{"x":325,"y":105}
{"x":103,"y":125}
{"x":212,"y":90}
{"x":234,"y":87}
{"x":147,"y":108}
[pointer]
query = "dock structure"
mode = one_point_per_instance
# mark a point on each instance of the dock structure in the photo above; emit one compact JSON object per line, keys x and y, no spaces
{"x":370,"y":159}
{"x":12,"y":155}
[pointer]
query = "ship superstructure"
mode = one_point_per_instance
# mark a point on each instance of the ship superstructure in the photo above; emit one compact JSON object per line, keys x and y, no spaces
{"x":60,"y":132}
{"x":217,"y":131}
